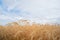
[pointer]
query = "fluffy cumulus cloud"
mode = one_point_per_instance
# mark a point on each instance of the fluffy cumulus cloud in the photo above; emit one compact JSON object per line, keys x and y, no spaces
{"x":42,"y":11}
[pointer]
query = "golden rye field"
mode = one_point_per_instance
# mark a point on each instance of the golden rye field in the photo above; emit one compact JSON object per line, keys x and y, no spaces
{"x":15,"y":31}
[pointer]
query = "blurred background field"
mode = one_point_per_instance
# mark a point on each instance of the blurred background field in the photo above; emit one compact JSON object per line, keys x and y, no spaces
{"x":29,"y":31}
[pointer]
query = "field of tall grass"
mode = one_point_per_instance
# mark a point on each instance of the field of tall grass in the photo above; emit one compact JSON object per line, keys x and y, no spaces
{"x":34,"y":31}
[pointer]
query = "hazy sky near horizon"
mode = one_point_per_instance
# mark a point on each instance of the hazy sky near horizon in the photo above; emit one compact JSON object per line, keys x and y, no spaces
{"x":43,"y":11}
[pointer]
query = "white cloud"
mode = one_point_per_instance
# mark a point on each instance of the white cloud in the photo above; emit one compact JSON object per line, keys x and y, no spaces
{"x":40,"y":7}
{"x":41,"y":10}
{"x":5,"y":17}
{"x":36,"y":8}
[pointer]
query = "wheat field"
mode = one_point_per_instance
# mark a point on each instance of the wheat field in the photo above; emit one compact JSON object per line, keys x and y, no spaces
{"x":29,"y":32}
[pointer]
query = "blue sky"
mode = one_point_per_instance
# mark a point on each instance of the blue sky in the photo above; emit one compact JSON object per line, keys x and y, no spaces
{"x":42,"y":11}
